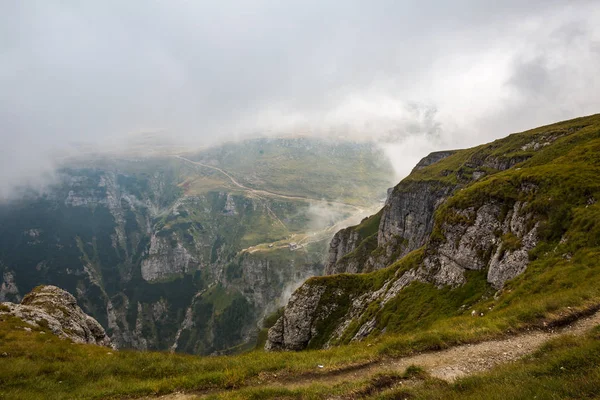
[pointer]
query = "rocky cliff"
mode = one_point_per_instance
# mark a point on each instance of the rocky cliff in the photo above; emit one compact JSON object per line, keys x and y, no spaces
{"x":53,"y":308}
{"x":161,"y":250}
{"x":403,"y":225}
{"x":407,"y":219}
{"x":455,"y":231}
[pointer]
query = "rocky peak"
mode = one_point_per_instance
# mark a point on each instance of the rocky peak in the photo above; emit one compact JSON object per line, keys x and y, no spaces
{"x":57,"y":310}
{"x":432,"y":158}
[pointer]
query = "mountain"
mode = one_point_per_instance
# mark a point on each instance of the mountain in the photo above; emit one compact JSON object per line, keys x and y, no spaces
{"x":508,"y":230}
{"x":190,"y":252}
{"x":478,"y":278}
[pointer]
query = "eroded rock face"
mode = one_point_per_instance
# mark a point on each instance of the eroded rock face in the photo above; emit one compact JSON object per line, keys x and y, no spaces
{"x":56,"y":309}
{"x":343,"y":242}
{"x":509,"y":262}
{"x":8,"y":289}
{"x":407,"y":219}
{"x":405,"y":225}
{"x":165,"y":260}
{"x":295,"y":328}
{"x":494,"y":242}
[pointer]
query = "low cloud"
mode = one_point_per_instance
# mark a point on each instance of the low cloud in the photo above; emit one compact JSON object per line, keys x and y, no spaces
{"x":415,"y":76}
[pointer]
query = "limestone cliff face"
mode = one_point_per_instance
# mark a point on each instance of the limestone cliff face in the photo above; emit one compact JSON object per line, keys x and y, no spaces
{"x":166,"y":259}
{"x":487,"y":239}
{"x":294,"y":330}
{"x":449,"y":219}
{"x":404,"y":224}
{"x":344,"y":242}
{"x":407,"y":219}
{"x":52,"y":307}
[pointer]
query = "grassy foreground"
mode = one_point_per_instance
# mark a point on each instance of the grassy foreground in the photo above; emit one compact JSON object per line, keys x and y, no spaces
{"x":562,"y":280}
{"x":567,"y":367}
{"x":37,"y":365}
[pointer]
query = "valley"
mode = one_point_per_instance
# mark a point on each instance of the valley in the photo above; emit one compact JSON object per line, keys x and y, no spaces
{"x":173,"y":254}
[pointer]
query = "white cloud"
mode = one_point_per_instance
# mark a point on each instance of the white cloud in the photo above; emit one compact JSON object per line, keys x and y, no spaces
{"x":429,"y":74}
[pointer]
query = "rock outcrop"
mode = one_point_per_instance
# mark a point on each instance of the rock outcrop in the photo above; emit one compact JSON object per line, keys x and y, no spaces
{"x":8,"y":289}
{"x":343,"y":243}
{"x":432,"y":158}
{"x":57,"y":310}
{"x":294,"y":330}
{"x":407,"y":219}
{"x":486,"y":239}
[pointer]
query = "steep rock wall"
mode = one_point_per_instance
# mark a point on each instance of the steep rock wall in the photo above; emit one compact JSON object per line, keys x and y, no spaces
{"x":471,"y":220}
{"x":404,"y":225}
{"x":487,"y":240}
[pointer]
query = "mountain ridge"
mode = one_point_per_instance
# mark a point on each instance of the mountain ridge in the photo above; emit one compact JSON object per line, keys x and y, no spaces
{"x":428,"y":307}
{"x":467,"y":220}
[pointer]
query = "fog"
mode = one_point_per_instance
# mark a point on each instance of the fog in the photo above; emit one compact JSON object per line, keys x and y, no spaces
{"x":415,"y":76}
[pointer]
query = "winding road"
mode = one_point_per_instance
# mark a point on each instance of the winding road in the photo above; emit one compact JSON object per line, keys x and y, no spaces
{"x":267,"y":193}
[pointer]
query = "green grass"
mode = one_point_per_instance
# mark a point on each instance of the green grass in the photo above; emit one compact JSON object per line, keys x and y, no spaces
{"x":302,"y":166}
{"x":565,"y":368}
{"x":562,"y":279}
{"x":43,"y":366}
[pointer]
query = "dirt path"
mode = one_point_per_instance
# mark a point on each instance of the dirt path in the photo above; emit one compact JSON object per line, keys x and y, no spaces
{"x":468,"y":359}
{"x":448,"y":364}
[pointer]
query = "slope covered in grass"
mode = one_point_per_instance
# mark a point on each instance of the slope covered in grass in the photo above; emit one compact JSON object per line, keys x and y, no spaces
{"x":550,"y":176}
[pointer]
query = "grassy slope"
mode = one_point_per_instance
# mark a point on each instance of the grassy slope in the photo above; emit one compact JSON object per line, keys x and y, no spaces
{"x":561,"y":274}
{"x":315,"y":168}
{"x":564,"y":368}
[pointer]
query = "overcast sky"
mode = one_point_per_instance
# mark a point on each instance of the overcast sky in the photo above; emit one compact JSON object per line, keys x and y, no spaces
{"x":415,"y":75}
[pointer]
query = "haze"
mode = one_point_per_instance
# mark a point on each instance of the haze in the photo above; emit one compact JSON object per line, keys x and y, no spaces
{"x":415,"y":76}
